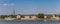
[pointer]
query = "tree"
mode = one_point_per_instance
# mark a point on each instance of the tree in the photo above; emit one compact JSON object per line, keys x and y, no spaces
{"x":13,"y":16}
{"x":40,"y":15}
{"x":3,"y":16}
{"x":59,"y":15}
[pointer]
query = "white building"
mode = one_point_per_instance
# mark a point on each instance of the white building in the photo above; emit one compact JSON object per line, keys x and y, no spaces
{"x":26,"y":17}
{"x":9,"y":18}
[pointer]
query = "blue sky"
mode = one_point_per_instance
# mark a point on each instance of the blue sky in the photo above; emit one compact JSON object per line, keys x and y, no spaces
{"x":30,"y":6}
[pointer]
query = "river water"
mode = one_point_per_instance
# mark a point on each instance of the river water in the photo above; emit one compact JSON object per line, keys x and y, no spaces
{"x":29,"y":22}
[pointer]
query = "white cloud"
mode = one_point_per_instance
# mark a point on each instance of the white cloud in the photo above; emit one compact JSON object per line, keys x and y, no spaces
{"x":5,"y":4}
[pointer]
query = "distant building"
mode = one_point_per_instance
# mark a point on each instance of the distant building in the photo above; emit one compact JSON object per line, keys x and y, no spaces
{"x":52,"y":16}
{"x":9,"y":18}
{"x":18,"y":17}
{"x":26,"y":17}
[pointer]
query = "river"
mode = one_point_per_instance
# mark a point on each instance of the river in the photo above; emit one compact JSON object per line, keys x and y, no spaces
{"x":29,"y":22}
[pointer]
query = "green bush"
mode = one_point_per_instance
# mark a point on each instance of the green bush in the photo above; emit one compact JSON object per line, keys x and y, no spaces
{"x":40,"y":15}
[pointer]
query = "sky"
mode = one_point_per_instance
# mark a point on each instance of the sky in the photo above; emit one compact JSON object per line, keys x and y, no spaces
{"x":29,"y":6}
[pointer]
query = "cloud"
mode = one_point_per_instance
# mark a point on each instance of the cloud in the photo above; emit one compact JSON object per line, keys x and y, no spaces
{"x":5,"y":4}
{"x":6,"y":8}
